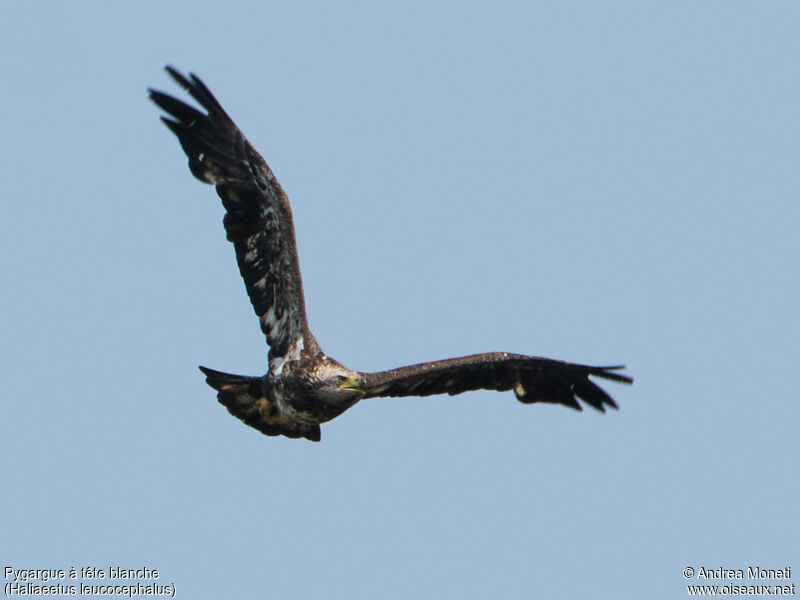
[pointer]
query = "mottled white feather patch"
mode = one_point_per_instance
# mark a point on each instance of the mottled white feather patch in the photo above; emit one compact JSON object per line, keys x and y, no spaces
{"x":277,"y":364}
{"x":268,"y":318}
{"x":296,"y":349}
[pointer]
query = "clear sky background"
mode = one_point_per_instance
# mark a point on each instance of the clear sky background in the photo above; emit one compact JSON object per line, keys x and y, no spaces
{"x":601,"y":182}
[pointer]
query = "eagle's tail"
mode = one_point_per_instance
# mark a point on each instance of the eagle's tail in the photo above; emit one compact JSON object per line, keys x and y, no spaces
{"x":244,"y":398}
{"x":226,"y":381}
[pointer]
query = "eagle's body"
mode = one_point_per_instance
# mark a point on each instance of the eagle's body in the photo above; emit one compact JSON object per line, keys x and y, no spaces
{"x":303,"y":387}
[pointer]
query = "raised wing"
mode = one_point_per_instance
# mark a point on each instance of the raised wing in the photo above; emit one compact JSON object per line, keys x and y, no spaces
{"x":258,"y":219}
{"x":531,"y":378}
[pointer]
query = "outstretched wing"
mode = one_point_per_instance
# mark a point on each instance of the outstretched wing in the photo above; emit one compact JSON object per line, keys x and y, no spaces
{"x":258,"y":219}
{"x":533,"y":379}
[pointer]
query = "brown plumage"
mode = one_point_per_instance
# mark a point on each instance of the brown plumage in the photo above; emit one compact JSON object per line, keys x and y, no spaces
{"x":303,"y":387}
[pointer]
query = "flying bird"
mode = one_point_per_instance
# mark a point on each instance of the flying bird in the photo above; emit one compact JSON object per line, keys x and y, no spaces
{"x":303,"y":387}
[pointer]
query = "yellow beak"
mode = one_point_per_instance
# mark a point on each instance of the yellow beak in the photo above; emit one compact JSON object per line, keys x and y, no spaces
{"x":353,"y":385}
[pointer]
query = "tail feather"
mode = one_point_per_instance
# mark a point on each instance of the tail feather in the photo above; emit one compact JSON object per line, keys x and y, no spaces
{"x":244,"y":398}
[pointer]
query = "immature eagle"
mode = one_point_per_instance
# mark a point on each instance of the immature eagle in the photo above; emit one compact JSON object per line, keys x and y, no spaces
{"x":303,"y":387}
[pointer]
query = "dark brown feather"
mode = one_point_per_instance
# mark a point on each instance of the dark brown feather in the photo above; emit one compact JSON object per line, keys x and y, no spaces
{"x":258,"y":219}
{"x":533,"y":379}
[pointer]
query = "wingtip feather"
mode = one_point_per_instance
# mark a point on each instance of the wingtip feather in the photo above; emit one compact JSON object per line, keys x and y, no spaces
{"x":607,"y":373}
{"x":178,"y":77}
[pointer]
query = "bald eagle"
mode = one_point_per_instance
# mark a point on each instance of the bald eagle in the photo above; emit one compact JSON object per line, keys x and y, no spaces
{"x":303,"y":387}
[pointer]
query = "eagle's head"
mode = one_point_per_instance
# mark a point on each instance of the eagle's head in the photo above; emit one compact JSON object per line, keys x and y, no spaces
{"x":335,"y":384}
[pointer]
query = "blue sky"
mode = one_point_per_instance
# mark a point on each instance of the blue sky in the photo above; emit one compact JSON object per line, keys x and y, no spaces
{"x":598,"y":182}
